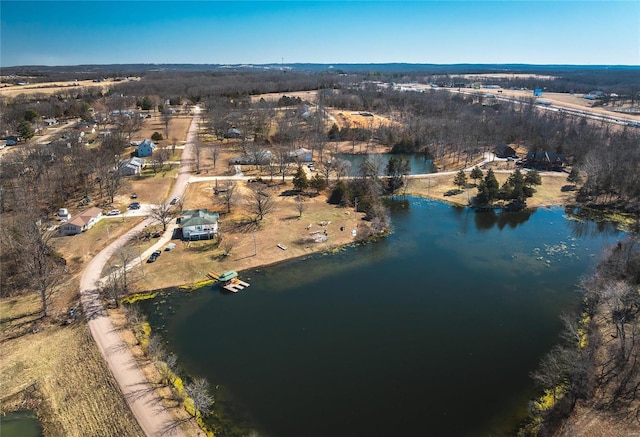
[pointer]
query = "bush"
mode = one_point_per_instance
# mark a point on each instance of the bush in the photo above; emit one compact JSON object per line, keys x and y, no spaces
{"x":157,"y":136}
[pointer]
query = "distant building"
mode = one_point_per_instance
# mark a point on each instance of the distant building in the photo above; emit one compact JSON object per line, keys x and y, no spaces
{"x":261,"y":157}
{"x":301,"y":155}
{"x":234,"y":133}
{"x":504,"y":151}
{"x":545,"y":160}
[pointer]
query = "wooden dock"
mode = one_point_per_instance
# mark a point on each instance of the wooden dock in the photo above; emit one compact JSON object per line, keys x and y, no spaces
{"x":233,"y":285}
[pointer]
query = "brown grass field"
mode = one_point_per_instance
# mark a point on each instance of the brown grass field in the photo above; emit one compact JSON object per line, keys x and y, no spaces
{"x":60,"y":373}
{"x":48,"y":88}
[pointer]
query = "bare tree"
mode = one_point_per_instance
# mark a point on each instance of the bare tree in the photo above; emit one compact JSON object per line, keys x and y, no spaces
{"x":300,"y":206}
{"x":260,"y":202}
{"x":112,"y":181}
{"x":164,"y":213}
{"x":215,"y":152}
{"x":166,"y":118}
{"x":228,"y":194}
{"x":43,"y":268}
{"x":120,"y":278}
{"x":197,"y":153}
{"x":198,"y":391}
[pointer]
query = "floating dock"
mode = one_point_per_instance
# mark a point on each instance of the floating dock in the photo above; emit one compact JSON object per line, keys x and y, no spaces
{"x":229,"y":281}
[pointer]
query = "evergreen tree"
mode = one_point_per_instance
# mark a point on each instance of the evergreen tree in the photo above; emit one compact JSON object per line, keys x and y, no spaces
{"x":318,"y":183}
{"x":300,"y":180}
{"x":25,"y":130}
{"x":460,"y":180}
{"x":476,"y":174}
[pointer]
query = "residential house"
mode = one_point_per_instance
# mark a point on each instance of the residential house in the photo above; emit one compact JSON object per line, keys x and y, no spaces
{"x":259,"y":157}
{"x":199,"y":224}
{"x":234,"y":133}
{"x":145,"y":148}
{"x":81,"y":222}
{"x":50,"y":122}
{"x":131,"y":166}
{"x":504,"y":151}
{"x":544,"y":160}
{"x":301,"y":155}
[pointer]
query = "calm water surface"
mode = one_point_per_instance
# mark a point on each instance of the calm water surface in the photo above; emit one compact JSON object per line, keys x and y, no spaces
{"x":431,"y":331}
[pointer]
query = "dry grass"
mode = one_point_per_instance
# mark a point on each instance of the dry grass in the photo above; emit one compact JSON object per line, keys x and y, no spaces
{"x":61,"y":374}
{"x":548,"y":194}
{"x":190,"y":262}
{"x":49,"y":88}
{"x":80,"y":248}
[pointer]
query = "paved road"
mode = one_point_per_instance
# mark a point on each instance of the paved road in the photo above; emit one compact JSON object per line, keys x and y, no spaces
{"x":154,"y":419}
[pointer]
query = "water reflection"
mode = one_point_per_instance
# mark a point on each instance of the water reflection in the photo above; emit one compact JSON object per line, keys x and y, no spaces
{"x":486,"y":220}
{"x":444,"y":317}
{"x":582,"y":224}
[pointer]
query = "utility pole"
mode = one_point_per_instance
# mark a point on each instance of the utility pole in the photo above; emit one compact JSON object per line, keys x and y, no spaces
{"x":255,"y":245}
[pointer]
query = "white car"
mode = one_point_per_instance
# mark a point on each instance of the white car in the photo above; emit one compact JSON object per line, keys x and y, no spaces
{"x":114,"y":212}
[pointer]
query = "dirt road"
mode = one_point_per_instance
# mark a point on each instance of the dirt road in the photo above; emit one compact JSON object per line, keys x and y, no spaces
{"x":153,"y":417}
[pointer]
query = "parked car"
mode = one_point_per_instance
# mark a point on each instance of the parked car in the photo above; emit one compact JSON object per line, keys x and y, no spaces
{"x":152,"y":258}
{"x":134,"y":205}
{"x":158,"y":234}
{"x":114,"y":212}
{"x":134,"y":196}
{"x":156,"y":253}
{"x":174,"y":200}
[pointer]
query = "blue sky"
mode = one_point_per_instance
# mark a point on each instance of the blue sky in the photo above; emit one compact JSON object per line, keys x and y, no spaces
{"x":242,"y":32}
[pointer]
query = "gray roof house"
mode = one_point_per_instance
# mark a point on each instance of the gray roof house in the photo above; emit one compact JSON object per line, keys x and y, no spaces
{"x":301,"y":155}
{"x":199,"y":224}
{"x":131,"y":167}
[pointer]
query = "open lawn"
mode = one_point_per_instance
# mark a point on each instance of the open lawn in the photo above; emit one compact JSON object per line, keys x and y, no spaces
{"x":252,"y":244}
{"x":59,"y":372}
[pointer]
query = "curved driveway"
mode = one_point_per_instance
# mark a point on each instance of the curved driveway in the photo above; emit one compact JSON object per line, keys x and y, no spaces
{"x":153,"y":417}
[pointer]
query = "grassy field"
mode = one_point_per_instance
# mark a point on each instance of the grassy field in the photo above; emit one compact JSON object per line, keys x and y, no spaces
{"x":48,"y":88}
{"x":60,"y":373}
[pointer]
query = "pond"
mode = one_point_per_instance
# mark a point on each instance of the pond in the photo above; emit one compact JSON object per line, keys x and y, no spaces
{"x":23,"y":423}
{"x":432,"y":330}
{"x":419,"y":162}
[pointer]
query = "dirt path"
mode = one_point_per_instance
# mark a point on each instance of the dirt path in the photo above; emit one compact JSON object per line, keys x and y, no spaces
{"x":153,"y":417}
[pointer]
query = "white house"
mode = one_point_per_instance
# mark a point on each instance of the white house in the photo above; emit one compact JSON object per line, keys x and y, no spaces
{"x":199,"y":224}
{"x":262,"y":157}
{"x":131,"y":167}
{"x":146,"y":148}
{"x":81,"y":222}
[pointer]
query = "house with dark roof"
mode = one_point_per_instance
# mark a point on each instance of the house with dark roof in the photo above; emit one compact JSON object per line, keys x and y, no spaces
{"x":199,"y":224}
{"x":544,"y":160}
{"x":504,"y":151}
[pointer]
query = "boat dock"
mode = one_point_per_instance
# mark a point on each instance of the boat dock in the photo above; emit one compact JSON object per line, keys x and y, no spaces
{"x":229,"y":281}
